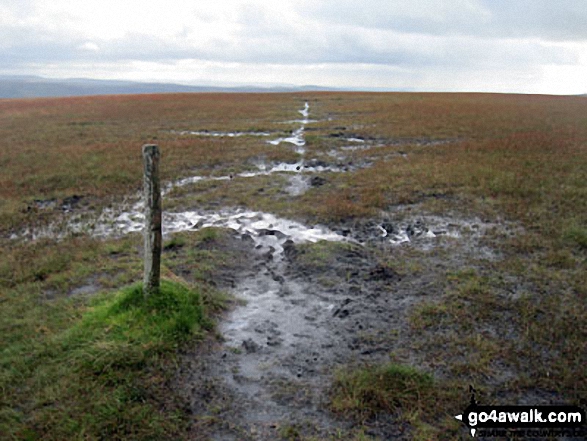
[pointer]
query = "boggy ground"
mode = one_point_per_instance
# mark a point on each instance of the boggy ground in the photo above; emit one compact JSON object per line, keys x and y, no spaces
{"x":435,"y":282}
{"x":433,"y":242}
{"x":316,"y":308}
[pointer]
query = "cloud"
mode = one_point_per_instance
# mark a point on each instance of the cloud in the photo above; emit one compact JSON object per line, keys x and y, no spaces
{"x":545,"y":19}
{"x":338,"y":42}
{"x":561,"y":20}
{"x":416,"y":16}
{"x":334,"y":44}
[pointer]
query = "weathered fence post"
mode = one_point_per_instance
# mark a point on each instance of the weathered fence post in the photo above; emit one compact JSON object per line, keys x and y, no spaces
{"x":152,"y":194}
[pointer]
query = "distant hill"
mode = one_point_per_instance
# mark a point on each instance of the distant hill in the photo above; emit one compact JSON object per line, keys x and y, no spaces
{"x":34,"y":87}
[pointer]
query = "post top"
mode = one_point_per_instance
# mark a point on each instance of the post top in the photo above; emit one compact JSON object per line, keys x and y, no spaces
{"x":150,"y":149}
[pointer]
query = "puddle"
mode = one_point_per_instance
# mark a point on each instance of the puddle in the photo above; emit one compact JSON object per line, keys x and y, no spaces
{"x":422,"y":142}
{"x":353,"y":148}
{"x":264,"y":170}
{"x":300,"y":121}
{"x":418,"y":230}
{"x":426,"y":232}
{"x":45,"y":204}
{"x":271,"y":339}
{"x":268,"y":231}
{"x":305,"y":111}
{"x":265,"y":229}
{"x":297,"y":185}
{"x":220,"y":134}
{"x":192,"y":180}
{"x":67,"y":204}
{"x":341,"y":153}
{"x":90,"y":288}
{"x":361,"y":144}
{"x":297,"y":137}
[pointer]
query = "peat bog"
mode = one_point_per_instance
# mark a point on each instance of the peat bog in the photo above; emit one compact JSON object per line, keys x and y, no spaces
{"x":338,"y":265}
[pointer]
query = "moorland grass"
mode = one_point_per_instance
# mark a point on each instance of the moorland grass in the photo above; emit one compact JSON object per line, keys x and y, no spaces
{"x":515,"y":158}
{"x":90,"y":146}
{"x":390,"y":387}
{"x":519,"y":158}
{"x":96,"y":365}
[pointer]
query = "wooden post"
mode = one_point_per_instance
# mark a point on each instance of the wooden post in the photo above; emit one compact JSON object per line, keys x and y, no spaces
{"x":152,"y":195}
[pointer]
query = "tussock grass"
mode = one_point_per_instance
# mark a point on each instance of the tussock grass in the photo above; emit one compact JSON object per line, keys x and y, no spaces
{"x":399,"y":390}
{"x":382,"y":388}
{"x":576,"y":235}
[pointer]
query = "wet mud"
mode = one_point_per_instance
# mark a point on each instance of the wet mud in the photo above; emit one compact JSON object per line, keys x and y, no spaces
{"x":312,"y":301}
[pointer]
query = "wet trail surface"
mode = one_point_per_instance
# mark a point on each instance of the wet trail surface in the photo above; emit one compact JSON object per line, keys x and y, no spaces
{"x":298,"y":319}
{"x":302,"y":319}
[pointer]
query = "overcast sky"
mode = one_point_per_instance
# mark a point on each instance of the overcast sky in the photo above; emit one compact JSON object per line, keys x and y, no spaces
{"x":526,"y":46}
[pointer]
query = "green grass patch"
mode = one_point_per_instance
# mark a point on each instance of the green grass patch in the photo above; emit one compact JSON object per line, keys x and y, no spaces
{"x":577,"y":235}
{"x":322,"y":254}
{"x":103,"y":376}
{"x":154,"y":324}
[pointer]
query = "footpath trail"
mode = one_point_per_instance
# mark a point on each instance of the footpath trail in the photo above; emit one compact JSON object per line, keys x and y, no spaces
{"x":310,"y":299}
{"x":305,"y":310}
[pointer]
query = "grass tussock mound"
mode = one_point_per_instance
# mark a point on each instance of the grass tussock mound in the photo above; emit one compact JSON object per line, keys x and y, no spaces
{"x":414,"y":396}
{"x":367,"y":391}
{"x":99,"y":379}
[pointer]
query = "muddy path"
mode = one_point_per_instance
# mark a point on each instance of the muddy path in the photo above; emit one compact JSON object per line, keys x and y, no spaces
{"x":305,"y":310}
{"x":309,"y":299}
